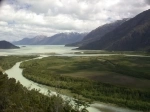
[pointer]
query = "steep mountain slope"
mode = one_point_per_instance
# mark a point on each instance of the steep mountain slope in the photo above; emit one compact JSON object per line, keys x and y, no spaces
{"x":98,"y":33}
{"x":58,"y":39}
{"x":133,"y":34}
{"x":7,"y":45}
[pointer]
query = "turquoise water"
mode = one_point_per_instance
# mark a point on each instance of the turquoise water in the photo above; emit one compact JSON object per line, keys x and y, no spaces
{"x":38,"y":49}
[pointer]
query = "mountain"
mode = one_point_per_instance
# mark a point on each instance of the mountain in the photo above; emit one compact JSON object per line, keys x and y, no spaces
{"x":64,"y":38}
{"x":30,"y":41}
{"x":97,"y":33}
{"x":7,"y":45}
{"x":58,"y":39}
{"x":132,"y":35}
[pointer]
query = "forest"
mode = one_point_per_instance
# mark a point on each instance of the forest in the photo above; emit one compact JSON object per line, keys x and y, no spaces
{"x":16,"y":98}
{"x":118,"y":79}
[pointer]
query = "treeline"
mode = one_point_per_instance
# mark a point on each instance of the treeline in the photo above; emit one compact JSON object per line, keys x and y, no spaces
{"x":40,"y":72}
{"x":16,"y":98}
{"x":126,"y":97}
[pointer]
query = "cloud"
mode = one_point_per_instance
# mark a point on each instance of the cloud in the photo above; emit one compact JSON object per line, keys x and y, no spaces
{"x":28,"y":18}
{"x":147,"y":1}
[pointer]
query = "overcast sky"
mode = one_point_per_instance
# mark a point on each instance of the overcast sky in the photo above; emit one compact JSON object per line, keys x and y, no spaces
{"x":28,"y":18}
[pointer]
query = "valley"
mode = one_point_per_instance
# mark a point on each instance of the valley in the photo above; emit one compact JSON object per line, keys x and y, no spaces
{"x":74,"y":56}
{"x":104,"y":79}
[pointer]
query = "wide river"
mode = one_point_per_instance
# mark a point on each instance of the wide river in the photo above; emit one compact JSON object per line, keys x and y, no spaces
{"x":48,"y":50}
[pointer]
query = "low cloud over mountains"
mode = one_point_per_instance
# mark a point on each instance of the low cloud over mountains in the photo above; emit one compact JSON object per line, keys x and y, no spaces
{"x":27,"y":18}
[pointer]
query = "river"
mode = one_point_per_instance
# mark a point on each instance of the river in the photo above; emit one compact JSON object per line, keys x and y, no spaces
{"x":16,"y":72}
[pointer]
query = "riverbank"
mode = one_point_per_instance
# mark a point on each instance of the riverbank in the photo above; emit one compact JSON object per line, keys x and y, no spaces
{"x":16,"y":98}
{"x":59,"y":51}
{"x":32,"y":85}
{"x":98,"y":106}
{"x":48,"y":72}
{"x":17,"y":74}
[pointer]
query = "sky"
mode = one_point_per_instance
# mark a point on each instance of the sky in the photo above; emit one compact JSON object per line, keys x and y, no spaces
{"x":29,"y":18}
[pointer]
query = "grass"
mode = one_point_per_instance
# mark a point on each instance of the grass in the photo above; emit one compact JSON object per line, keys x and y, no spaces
{"x":113,"y":52}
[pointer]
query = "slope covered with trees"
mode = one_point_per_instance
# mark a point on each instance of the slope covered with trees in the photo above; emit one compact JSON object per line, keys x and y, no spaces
{"x":16,"y":98}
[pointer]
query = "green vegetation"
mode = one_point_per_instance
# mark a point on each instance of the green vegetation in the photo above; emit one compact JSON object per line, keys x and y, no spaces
{"x":112,"y":52}
{"x":6,"y":62}
{"x":111,"y":79}
{"x":16,"y":98}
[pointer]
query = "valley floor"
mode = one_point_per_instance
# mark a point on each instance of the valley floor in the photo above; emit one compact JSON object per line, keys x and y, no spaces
{"x":117,"y":79}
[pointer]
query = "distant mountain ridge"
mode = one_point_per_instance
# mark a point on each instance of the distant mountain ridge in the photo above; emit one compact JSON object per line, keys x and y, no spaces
{"x":57,"y":39}
{"x":97,"y":33}
{"x":132,"y":35}
{"x":30,"y":41}
{"x":7,"y":45}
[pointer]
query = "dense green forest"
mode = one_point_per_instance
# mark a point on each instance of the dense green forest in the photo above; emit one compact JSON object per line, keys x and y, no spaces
{"x":16,"y":98}
{"x":119,"y":80}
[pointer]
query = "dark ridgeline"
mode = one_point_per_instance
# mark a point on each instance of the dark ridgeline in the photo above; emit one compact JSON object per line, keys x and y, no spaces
{"x":7,"y":45}
{"x":97,"y":33}
{"x":132,"y":35}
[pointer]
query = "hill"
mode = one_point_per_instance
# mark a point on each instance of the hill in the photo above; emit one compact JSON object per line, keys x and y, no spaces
{"x":97,"y":33}
{"x":30,"y":41}
{"x":7,"y":45}
{"x":132,"y":35}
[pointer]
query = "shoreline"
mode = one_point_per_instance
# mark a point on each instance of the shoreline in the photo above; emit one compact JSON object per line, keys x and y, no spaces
{"x":95,"y":103}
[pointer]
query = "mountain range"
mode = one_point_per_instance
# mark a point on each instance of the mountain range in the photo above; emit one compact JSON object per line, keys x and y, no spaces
{"x":7,"y":45}
{"x":131,"y":35}
{"x":123,"y":35}
{"x":57,"y":39}
{"x":99,"y":32}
